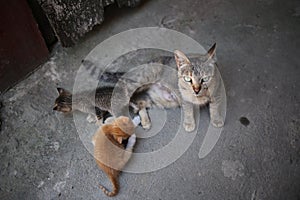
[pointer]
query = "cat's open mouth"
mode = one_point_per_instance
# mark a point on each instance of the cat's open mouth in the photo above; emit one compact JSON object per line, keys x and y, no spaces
{"x":201,"y":93}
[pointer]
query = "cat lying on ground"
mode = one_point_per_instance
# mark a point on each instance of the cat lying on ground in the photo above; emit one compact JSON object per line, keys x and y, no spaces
{"x":97,"y":104}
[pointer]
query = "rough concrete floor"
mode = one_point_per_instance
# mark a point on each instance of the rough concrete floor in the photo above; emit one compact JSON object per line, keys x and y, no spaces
{"x":42,"y":156}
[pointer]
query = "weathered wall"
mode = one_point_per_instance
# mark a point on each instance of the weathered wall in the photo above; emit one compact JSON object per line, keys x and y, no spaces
{"x":71,"y":19}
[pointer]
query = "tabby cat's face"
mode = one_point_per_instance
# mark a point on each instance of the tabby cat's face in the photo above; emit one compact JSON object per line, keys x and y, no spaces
{"x":196,"y":74}
{"x":63,"y":102}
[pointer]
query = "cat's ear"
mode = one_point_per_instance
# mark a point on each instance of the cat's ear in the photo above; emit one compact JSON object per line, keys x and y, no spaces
{"x":211,"y":53}
{"x":181,"y":59}
{"x":120,"y":140}
{"x":60,"y":90}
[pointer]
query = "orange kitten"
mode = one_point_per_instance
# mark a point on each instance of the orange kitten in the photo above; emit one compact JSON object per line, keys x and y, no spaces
{"x":109,"y":153}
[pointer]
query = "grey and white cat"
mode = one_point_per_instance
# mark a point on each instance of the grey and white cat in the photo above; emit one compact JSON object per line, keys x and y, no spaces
{"x":199,"y":83}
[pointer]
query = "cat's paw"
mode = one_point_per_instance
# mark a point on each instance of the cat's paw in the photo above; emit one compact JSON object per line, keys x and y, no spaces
{"x":189,"y":126}
{"x":131,"y":141}
{"x":217,"y":122}
{"x":146,"y":124}
{"x":91,"y":118}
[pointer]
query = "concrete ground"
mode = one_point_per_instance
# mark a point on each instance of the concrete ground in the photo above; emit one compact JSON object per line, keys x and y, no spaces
{"x":43,"y":157}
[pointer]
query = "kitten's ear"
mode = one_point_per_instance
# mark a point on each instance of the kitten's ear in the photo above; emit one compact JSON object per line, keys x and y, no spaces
{"x":211,"y":53}
{"x":120,"y":140}
{"x":181,"y":59}
{"x":60,"y":90}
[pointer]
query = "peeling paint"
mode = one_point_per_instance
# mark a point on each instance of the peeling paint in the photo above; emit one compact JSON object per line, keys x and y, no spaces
{"x":52,"y":72}
{"x":56,"y":146}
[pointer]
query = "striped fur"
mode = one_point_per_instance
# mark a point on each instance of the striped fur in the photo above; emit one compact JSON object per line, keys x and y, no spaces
{"x":199,"y":83}
{"x":98,"y":104}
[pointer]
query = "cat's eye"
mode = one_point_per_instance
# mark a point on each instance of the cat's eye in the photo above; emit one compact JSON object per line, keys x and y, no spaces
{"x":187,"y":79}
{"x":205,"y":79}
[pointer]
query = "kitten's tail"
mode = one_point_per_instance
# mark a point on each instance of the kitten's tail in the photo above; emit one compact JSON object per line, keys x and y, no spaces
{"x":115,"y":184}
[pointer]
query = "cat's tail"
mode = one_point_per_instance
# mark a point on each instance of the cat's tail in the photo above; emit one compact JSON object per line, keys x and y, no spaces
{"x":115,"y":184}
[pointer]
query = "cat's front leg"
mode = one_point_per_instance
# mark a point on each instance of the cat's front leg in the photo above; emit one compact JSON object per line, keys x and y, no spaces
{"x":145,"y":120}
{"x":215,"y":117}
{"x":188,"y":116}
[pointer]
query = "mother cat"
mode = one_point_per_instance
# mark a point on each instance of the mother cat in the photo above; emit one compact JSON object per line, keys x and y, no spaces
{"x":199,"y":83}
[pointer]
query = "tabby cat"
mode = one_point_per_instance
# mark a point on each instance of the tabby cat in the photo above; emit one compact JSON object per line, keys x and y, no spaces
{"x":109,"y":152}
{"x":98,"y":104}
{"x":95,"y":104}
{"x":199,"y":83}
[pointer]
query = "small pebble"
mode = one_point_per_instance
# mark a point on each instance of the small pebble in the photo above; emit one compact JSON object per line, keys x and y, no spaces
{"x":244,"y":121}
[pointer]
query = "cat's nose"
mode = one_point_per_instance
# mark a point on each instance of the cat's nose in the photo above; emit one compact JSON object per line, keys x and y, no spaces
{"x":196,"y":90}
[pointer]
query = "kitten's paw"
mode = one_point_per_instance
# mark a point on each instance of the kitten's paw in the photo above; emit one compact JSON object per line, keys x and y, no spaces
{"x":91,"y":118}
{"x":136,"y":120}
{"x":189,"y":126}
{"x":217,"y":122}
{"x":131,"y":141}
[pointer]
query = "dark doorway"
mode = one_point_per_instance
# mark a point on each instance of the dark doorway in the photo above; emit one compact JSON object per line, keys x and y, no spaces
{"x":22,"y":46}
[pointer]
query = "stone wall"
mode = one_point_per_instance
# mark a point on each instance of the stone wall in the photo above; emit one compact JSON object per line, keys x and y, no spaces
{"x":71,"y":19}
